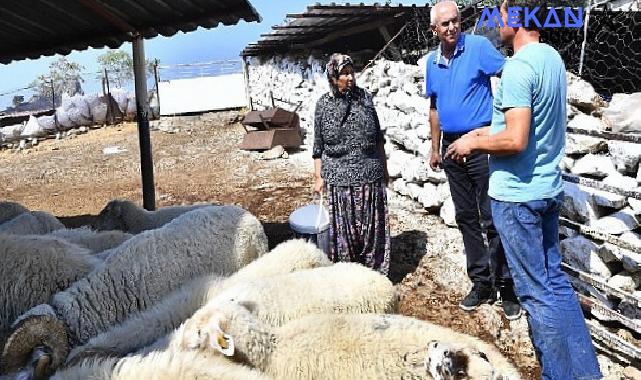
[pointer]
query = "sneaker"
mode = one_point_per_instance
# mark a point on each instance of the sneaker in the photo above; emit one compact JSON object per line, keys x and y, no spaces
{"x":479,"y":294}
{"x":510,"y":303}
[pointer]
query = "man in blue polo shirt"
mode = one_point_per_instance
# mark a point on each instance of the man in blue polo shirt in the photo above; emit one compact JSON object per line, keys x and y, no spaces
{"x":458,"y":84}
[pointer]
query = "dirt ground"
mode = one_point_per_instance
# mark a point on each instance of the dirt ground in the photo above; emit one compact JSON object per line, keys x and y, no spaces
{"x":73,"y":179}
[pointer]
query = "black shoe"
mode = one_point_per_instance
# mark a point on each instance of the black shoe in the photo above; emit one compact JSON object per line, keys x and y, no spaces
{"x":510,"y":303}
{"x":479,"y":294}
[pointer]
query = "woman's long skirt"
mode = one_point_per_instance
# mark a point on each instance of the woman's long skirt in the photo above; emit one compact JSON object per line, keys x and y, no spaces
{"x":359,"y":225}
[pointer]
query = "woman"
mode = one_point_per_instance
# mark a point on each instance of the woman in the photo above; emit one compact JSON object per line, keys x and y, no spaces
{"x":350,"y":164}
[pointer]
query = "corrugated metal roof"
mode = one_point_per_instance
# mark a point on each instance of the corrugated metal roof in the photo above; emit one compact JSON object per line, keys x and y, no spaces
{"x":30,"y":29}
{"x":321,"y":24}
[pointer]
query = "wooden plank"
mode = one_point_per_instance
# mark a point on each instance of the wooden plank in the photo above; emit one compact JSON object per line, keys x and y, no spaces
{"x":601,"y":285}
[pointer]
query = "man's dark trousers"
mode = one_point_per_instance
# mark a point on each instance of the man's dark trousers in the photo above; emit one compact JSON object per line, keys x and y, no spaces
{"x":468,"y":181}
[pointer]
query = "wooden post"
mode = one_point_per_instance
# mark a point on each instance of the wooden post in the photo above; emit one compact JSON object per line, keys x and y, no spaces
{"x":157,"y":79}
{"x":246,"y":77}
{"x":142,"y":116}
{"x":110,"y":110}
{"x":53,"y":104}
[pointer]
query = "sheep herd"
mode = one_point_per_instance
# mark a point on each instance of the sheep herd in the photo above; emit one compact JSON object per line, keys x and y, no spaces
{"x":192,"y":292}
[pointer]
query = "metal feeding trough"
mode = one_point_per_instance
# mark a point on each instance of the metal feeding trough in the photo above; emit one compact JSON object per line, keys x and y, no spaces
{"x":273,"y":126}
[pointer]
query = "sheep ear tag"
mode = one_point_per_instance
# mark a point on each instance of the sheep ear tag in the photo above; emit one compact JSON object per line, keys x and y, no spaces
{"x":223,"y":343}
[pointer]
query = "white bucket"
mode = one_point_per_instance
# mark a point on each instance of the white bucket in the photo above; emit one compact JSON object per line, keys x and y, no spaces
{"x":311,"y":223}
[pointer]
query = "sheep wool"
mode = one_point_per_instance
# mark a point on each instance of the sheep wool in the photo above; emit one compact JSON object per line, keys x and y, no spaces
{"x":144,"y":269}
{"x":33,"y":268}
{"x":9,"y":210}
{"x":95,"y":241}
{"x":341,"y":346}
{"x":126,"y":216}
{"x":340,"y":288}
{"x":143,"y":329}
{"x":31,"y":223}
{"x":160,"y":366}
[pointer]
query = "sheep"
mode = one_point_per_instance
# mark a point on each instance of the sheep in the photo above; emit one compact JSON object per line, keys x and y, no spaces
{"x":137,"y":274}
{"x":9,"y":210}
{"x":143,"y":329}
{"x":95,"y":241}
{"x":340,"y":346}
{"x":341,"y":288}
{"x":160,"y":366}
{"x":31,"y":223}
{"x":126,"y":216}
{"x":35,"y":267}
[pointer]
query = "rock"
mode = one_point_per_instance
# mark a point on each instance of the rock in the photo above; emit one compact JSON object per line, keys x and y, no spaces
{"x":612,"y":253}
{"x":623,"y":114}
{"x":631,"y":373}
{"x":626,"y":155}
{"x":429,"y":196}
{"x":586,"y":123}
{"x":617,"y":223}
{"x":448,"y":213}
{"x":607,"y":199}
{"x":631,"y":238}
{"x":566,"y":164}
{"x":623,"y":281}
{"x":581,"y":94}
{"x":273,"y":153}
{"x":620,"y":181}
{"x":416,"y":170}
{"x":581,"y":144}
{"x":635,"y":204}
{"x":582,"y":253}
{"x":423,"y":131}
{"x":578,"y":204}
{"x":594,"y":165}
{"x":400,"y":187}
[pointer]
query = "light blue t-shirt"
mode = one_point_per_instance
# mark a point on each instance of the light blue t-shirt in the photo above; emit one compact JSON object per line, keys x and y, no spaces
{"x":534,"y":77}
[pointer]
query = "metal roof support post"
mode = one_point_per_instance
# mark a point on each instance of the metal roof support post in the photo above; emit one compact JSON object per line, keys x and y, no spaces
{"x":142,"y":115}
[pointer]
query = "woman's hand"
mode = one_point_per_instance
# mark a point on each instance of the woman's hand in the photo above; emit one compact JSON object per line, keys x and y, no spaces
{"x":319,"y":185}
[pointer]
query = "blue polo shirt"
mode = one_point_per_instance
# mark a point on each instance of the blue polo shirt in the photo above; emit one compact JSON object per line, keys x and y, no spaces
{"x":462,"y":87}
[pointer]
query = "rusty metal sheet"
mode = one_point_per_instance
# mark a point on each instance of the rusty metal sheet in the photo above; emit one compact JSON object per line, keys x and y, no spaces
{"x":262,"y":140}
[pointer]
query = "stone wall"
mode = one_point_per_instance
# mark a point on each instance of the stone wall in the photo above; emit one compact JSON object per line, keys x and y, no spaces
{"x":601,"y":244}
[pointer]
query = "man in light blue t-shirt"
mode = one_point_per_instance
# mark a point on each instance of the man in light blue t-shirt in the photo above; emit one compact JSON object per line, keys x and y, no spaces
{"x":526,"y":142}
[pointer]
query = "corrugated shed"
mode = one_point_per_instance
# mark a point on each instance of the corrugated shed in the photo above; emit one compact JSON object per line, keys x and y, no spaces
{"x":323,"y":25}
{"x":33,"y":28}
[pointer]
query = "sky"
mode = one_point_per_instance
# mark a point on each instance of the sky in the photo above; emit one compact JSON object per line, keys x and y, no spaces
{"x":202,"y":45}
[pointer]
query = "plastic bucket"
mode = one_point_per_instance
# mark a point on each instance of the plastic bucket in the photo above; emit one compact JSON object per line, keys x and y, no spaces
{"x":311,"y":223}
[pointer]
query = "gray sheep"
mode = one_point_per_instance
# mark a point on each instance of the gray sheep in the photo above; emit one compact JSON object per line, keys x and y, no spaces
{"x":9,"y":210}
{"x":31,"y":223}
{"x":135,"y":276}
{"x":126,"y":216}
{"x":33,"y":268}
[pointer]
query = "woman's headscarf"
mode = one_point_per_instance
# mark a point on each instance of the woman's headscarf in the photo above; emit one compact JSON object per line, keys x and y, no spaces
{"x":336,"y":63}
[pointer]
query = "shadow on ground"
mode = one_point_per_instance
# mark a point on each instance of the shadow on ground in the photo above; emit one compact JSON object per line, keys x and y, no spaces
{"x":408,"y":248}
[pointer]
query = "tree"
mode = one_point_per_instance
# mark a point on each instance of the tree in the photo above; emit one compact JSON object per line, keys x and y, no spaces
{"x":17,"y":100}
{"x":120,"y":66}
{"x":66,"y":77}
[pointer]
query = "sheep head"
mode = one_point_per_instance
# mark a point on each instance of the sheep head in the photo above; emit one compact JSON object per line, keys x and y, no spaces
{"x":450,"y":361}
{"x":37,"y":346}
{"x":112,"y":216}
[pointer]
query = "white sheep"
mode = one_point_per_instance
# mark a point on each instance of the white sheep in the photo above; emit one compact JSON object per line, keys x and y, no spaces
{"x":126,"y":216}
{"x":35,"y":267}
{"x":31,"y":223}
{"x":9,"y":210}
{"x":340,"y":288}
{"x":344,"y":346}
{"x":139,"y":273}
{"x":95,"y":241}
{"x":160,"y":366}
{"x":143,"y":329}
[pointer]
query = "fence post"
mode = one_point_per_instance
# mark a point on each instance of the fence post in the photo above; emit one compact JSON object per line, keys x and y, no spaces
{"x":110,"y":111}
{"x":157,"y":79}
{"x":53,"y":104}
{"x":585,"y":36}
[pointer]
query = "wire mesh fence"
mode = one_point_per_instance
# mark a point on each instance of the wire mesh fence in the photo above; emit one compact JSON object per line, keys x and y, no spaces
{"x":606,"y":51}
